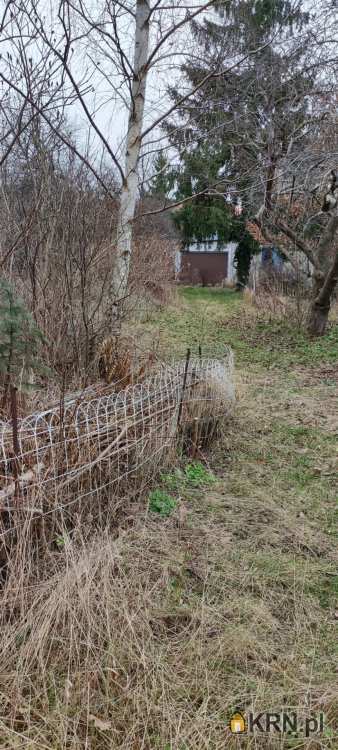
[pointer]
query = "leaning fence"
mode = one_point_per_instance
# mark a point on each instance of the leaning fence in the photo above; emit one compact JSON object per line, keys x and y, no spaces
{"x":102,"y":444}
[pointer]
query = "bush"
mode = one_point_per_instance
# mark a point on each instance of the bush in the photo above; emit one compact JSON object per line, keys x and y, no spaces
{"x":162,"y":503}
{"x":197,"y":475}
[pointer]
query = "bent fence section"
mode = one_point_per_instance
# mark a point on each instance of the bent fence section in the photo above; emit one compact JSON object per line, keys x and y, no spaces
{"x":103,"y":444}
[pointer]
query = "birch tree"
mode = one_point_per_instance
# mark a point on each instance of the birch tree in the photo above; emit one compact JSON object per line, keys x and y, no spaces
{"x":115,"y":46}
{"x":129,"y":191}
{"x":107,"y":57}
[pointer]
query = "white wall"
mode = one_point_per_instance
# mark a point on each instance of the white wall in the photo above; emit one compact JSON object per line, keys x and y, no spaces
{"x":231,"y":248}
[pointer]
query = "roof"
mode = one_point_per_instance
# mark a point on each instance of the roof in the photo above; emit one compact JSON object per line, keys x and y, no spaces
{"x":255,"y":232}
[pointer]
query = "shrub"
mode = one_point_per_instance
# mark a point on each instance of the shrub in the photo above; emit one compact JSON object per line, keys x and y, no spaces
{"x":197,"y":475}
{"x":162,"y":503}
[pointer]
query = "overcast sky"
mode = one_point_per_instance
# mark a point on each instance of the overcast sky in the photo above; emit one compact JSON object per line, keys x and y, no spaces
{"x":111,"y":113}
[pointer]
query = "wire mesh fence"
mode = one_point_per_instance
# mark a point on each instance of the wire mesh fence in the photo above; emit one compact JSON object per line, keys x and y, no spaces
{"x":103,"y":444}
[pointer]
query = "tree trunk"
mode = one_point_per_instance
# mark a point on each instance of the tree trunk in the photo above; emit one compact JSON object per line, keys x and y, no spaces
{"x":318,"y":317}
{"x":129,"y":192}
{"x":325,"y":279}
{"x":320,"y":307}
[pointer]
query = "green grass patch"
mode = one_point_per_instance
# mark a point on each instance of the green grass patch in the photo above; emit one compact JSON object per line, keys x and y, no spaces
{"x":163,"y":500}
{"x":325,"y":589}
{"x":277,"y":343}
{"x":207,"y":295}
{"x":197,"y":475}
{"x":193,"y":474}
{"x":213,"y":318}
{"x":162,"y":503}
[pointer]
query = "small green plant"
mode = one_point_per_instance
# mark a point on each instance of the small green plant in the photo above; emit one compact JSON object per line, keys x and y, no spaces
{"x":162,"y":503}
{"x":173,"y":480}
{"x":61,"y":540}
{"x":20,"y":342}
{"x":197,"y":475}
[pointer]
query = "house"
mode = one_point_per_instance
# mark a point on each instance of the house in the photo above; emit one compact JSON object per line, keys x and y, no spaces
{"x":270,"y":263}
{"x":211,"y":263}
{"x":206,"y":263}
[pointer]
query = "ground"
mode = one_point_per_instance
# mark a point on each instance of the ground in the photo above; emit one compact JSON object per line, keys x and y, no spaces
{"x":225,"y":600}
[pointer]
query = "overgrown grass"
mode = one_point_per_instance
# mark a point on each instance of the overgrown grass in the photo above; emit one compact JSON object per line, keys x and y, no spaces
{"x":278,"y":343}
{"x":228,"y":600}
{"x":214,"y":317}
{"x":210,"y":296}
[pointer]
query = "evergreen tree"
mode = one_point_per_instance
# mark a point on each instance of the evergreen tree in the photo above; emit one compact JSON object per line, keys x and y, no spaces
{"x":162,"y":182}
{"x":207,"y":215}
{"x":234,"y":133}
{"x":247,"y":247}
{"x":20,"y":342}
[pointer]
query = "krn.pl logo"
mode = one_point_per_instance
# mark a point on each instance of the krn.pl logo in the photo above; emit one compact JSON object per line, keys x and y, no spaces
{"x":237,"y":723}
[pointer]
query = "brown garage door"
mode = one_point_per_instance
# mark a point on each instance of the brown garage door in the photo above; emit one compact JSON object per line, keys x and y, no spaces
{"x":204,"y":268}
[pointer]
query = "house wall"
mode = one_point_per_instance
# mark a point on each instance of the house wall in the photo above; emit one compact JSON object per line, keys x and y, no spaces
{"x":203,"y":267}
{"x":269,"y":259}
{"x":231,"y":248}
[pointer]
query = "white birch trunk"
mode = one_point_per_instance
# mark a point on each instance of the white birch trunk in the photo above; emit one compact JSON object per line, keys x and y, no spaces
{"x":129,"y":193}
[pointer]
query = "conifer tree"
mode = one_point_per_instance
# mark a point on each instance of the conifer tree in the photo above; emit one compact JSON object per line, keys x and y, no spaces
{"x":162,"y":182}
{"x":20,"y":343}
{"x":233,"y":135}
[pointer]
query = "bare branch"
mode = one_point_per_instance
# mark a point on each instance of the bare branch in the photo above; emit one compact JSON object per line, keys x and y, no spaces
{"x":298,"y":242}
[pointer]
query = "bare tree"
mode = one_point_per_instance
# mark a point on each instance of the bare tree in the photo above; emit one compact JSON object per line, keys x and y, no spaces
{"x":119,"y":45}
{"x":303,"y":219}
{"x":131,"y":50}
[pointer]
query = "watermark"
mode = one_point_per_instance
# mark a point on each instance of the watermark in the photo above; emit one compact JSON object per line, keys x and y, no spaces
{"x":282,"y":721}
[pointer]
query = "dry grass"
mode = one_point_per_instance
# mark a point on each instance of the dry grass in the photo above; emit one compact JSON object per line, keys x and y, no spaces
{"x":78,"y":465}
{"x":271,"y":303}
{"x":148,"y":639}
